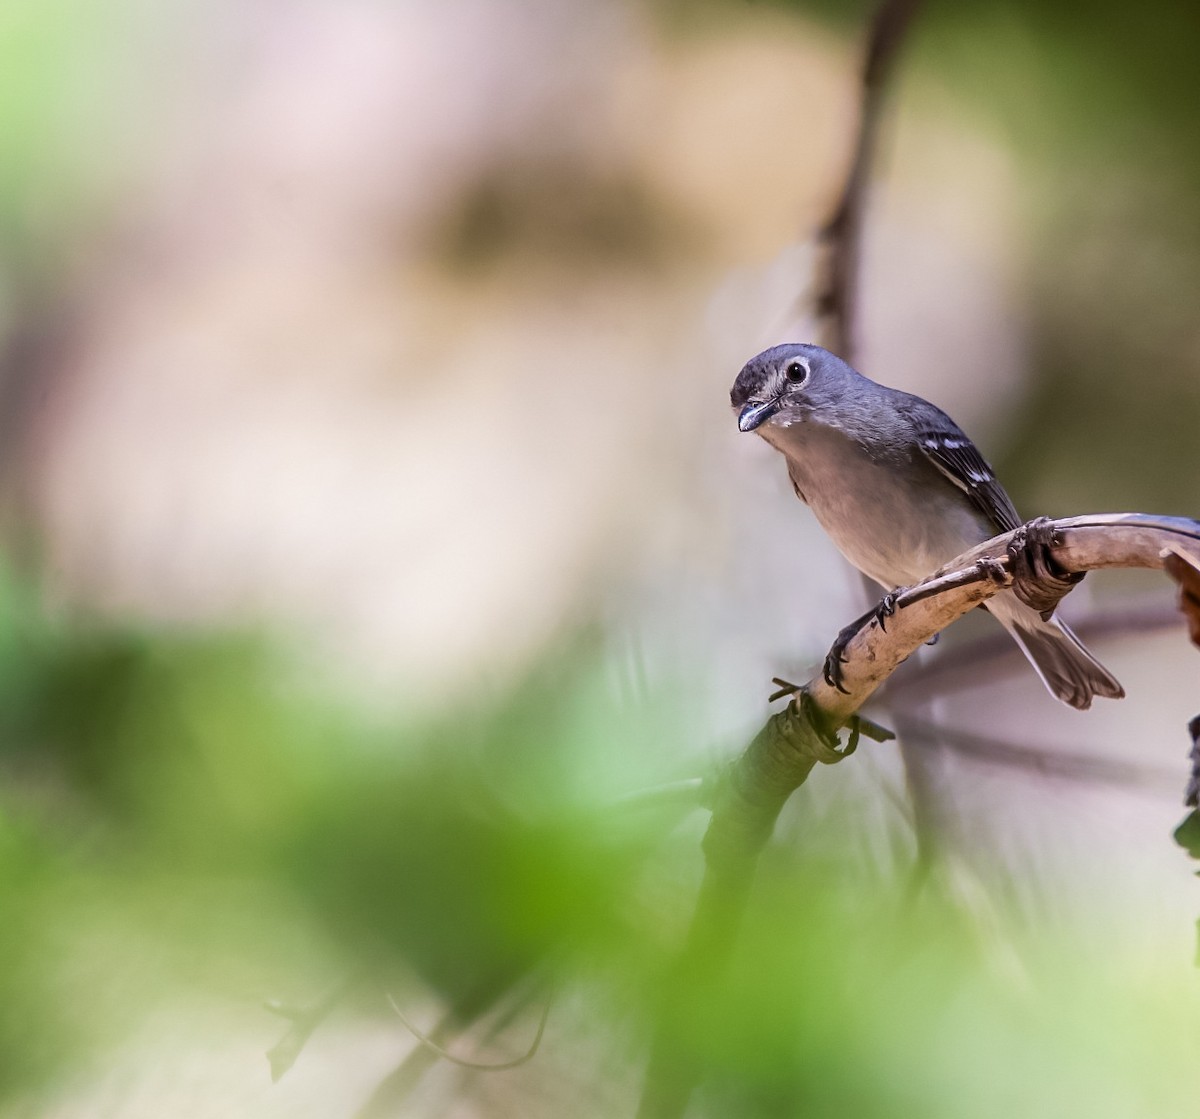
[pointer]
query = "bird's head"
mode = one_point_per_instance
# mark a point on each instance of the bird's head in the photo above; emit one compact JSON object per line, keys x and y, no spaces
{"x":785,"y":385}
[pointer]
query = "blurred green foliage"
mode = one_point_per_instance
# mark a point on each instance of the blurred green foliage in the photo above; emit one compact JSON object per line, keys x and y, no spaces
{"x":188,"y":805}
{"x":77,"y":105}
{"x":190,"y":816}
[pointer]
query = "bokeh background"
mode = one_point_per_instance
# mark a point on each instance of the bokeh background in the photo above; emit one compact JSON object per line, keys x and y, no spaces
{"x":376,"y":533}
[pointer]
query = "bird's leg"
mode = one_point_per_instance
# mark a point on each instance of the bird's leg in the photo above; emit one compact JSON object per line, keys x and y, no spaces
{"x":832,"y":671}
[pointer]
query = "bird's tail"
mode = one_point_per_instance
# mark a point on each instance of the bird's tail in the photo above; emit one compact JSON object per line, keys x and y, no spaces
{"x":1067,"y":669}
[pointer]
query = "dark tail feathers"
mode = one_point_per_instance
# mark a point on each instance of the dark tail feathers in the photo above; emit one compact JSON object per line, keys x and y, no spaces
{"x":1065,"y":666}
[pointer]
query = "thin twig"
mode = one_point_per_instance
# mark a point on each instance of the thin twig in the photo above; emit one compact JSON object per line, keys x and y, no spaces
{"x":981,"y":659}
{"x":841,"y":236}
{"x":480,"y":1066}
{"x":1048,"y":761}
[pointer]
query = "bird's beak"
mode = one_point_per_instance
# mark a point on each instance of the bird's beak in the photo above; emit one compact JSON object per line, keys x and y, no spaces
{"x":757,"y":412}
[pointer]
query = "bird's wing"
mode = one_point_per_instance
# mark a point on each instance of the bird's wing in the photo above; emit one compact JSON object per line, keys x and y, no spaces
{"x":944,"y":444}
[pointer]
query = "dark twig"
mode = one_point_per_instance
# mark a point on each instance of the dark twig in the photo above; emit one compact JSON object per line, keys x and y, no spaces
{"x":841,"y":236}
{"x":965,"y":665}
{"x":1045,"y":760}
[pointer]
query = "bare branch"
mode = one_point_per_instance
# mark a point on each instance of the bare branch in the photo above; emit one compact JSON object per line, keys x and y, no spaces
{"x":1083,"y":544}
{"x":841,"y":236}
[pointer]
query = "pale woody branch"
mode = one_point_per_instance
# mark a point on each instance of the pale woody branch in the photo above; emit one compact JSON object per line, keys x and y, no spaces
{"x":1088,"y":543}
{"x":758,"y":783}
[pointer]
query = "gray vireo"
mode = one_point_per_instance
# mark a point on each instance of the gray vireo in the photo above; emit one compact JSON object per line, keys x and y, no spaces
{"x":899,"y":489}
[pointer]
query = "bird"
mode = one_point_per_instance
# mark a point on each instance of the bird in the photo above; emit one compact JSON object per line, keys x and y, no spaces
{"x":900,"y":490}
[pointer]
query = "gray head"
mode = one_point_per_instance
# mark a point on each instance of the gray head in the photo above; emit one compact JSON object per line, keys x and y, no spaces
{"x":788,"y":384}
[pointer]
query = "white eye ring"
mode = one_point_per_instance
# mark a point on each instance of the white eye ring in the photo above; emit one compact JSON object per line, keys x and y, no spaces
{"x":796,"y":372}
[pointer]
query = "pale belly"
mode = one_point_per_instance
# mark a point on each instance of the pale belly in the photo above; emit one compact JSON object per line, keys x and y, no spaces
{"x":875,"y":521}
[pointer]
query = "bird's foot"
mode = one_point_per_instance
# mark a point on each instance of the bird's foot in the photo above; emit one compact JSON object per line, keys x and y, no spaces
{"x":992,"y":569}
{"x":886,"y":608}
{"x":832,"y":671}
{"x":1038,"y":578}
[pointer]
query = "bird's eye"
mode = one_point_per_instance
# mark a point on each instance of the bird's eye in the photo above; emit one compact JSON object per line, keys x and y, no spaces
{"x":796,"y":373}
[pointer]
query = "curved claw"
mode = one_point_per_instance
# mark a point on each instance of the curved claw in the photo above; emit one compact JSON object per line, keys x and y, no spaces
{"x":832,"y":670}
{"x":885,"y":609}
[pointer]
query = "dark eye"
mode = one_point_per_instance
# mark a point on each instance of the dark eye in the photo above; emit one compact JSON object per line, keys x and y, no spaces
{"x":796,"y":373}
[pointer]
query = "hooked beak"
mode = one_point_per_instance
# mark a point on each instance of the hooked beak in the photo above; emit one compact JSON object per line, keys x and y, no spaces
{"x":756,"y":413}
